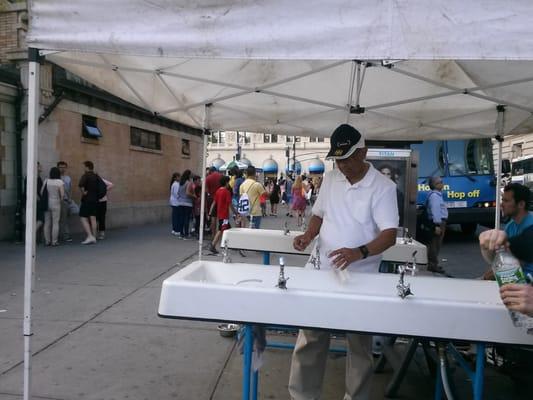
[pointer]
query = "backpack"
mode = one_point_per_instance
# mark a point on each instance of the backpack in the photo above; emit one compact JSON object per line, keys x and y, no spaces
{"x":101,"y":187}
{"x":243,"y":207}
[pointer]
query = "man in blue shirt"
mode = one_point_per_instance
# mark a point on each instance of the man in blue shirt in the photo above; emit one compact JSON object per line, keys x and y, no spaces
{"x":515,"y":203}
{"x":438,"y":214}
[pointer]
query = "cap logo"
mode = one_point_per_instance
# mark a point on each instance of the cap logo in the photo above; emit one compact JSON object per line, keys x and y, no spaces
{"x":345,"y":143}
{"x":338,"y":152}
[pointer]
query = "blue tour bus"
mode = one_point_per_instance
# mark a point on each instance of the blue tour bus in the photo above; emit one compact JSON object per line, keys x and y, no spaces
{"x":467,"y":171}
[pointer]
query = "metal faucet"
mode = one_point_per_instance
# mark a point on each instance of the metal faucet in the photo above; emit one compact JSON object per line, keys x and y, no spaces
{"x":407,"y":237}
{"x":286,"y":228}
{"x":225,"y":253}
{"x":282,"y":281}
{"x":404,"y":289}
{"x":315,"y":258}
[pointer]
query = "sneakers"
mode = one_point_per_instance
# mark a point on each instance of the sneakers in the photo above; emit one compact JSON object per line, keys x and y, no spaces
{"x":101,"y":236}
{"x":67,"y":239}
{"x":89,"y":240}
{"x":213,"y":249}
{"x":174,"y":233}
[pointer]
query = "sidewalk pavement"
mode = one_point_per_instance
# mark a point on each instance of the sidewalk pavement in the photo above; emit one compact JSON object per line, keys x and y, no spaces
{"x":97,"y":334}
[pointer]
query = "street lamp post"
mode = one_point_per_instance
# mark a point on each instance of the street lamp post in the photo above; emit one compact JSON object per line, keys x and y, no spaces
{"x":294,"y":154}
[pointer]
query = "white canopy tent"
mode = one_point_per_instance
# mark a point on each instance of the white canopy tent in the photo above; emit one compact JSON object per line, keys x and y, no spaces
{"x":395,"y":69}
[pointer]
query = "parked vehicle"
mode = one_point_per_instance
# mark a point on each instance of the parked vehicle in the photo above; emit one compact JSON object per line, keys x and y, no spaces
{"x":467,"y":170}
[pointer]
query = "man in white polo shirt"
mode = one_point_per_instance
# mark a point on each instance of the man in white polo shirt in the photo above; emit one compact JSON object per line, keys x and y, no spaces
{"x":356,"y":215}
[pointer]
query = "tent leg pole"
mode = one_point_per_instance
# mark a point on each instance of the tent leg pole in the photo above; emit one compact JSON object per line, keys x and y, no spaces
{"x":204,"y":166}
{"x":31,"y":214}
{"x":500,"y":123}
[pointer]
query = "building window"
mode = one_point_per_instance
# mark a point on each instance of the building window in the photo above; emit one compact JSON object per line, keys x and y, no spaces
{"x":146,"y":139}
{"x":266,"y":138}
{"x":317,"y":140}
{"x":273,"y":138}
{"x":244,"y":137}
{"x":89,"y":128}
{"x":218,"y":137}
{"x":288,"y":139}
{"x":516,"y":150}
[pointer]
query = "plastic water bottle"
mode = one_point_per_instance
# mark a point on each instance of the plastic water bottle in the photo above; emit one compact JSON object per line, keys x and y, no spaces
{"x":507,"y":270}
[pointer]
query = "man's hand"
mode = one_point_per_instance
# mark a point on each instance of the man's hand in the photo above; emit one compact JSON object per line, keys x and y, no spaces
{"x":301,"y":242}
{"x":344,"y":256}
{"x":493,"y":239}
{"x":518,"y":297}
{"x":438,"y":230}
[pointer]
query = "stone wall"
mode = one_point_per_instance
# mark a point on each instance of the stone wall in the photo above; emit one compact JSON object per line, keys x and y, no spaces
{"x":8,"y":195}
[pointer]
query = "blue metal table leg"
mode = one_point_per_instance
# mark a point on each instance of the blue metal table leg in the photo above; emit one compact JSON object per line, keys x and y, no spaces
{"x":247,"y":365}
{"x":255,"y":384}
{"x":266,"y":257}
{"x":480,"y":370}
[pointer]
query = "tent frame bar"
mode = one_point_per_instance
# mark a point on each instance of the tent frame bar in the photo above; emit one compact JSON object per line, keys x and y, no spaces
{"x":207,"y":110}
{"x":244,"y":90}
{"x":500,"y":126}
{"x":31,"y":210}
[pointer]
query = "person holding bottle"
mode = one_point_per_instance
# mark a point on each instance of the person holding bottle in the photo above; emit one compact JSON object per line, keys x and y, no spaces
{"x":516,"y":297}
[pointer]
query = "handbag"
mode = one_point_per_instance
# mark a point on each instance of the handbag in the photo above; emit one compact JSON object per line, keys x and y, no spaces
{"x":42,"y":201}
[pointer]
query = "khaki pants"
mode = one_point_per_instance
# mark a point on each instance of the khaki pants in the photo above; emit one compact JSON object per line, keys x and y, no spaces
{"x":309,"y":365}
{"x":51,"y":224}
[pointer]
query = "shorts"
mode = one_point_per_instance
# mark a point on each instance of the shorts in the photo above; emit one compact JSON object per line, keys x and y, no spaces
{"x":223,"y":224}
{"x":88,"y":209}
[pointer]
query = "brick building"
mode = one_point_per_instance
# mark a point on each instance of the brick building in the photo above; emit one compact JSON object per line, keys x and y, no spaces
{"x":129,"y":146}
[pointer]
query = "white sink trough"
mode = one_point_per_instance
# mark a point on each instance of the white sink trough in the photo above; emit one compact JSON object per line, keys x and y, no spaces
{"x":274,"y":241}
{"x":403,"y":251}
{"x":440,"y":308}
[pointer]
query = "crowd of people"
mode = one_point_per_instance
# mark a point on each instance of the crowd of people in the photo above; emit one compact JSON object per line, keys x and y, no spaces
{"x":55,"y":204}
{"x":224,"y":193}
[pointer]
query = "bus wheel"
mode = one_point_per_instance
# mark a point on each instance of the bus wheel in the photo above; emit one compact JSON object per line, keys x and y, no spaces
{"x":469,"y":229}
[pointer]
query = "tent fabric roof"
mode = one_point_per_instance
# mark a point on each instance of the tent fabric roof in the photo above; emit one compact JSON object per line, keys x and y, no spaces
{"x":302,"y":68}
{"x":284,"y":30}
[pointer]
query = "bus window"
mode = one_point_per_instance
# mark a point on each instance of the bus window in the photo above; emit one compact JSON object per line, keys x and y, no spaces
{"x":470,"y":157}
{"x":522,"y":167}
{"x":431,"y":158}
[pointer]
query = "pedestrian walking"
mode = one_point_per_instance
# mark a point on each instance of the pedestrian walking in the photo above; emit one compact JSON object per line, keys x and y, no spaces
{"x":53,"y":187}
{"x":185,"y":200}
{"x":299,"y":201}
{"x":223,"y":205}
{"x":253,"y":191}
{"x":90,"y":193}
{"x":101,"y":210}
{"x":173,"y":201}
{"x":68,"y":206}
{"x":275,"y":195}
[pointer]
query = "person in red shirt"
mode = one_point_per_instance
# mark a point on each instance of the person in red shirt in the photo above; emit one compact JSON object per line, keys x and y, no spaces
{"x":212,"y":183}
{"x":222,"y":203}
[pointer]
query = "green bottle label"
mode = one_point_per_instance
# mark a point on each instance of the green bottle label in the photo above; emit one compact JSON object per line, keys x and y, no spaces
{"x":513,"y":275}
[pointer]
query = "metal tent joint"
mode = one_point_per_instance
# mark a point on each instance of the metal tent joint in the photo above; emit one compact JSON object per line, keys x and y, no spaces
{"x":357,"y":109}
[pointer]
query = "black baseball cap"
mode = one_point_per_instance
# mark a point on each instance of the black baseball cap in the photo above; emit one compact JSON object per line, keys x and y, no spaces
{"x":344,"y":141}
